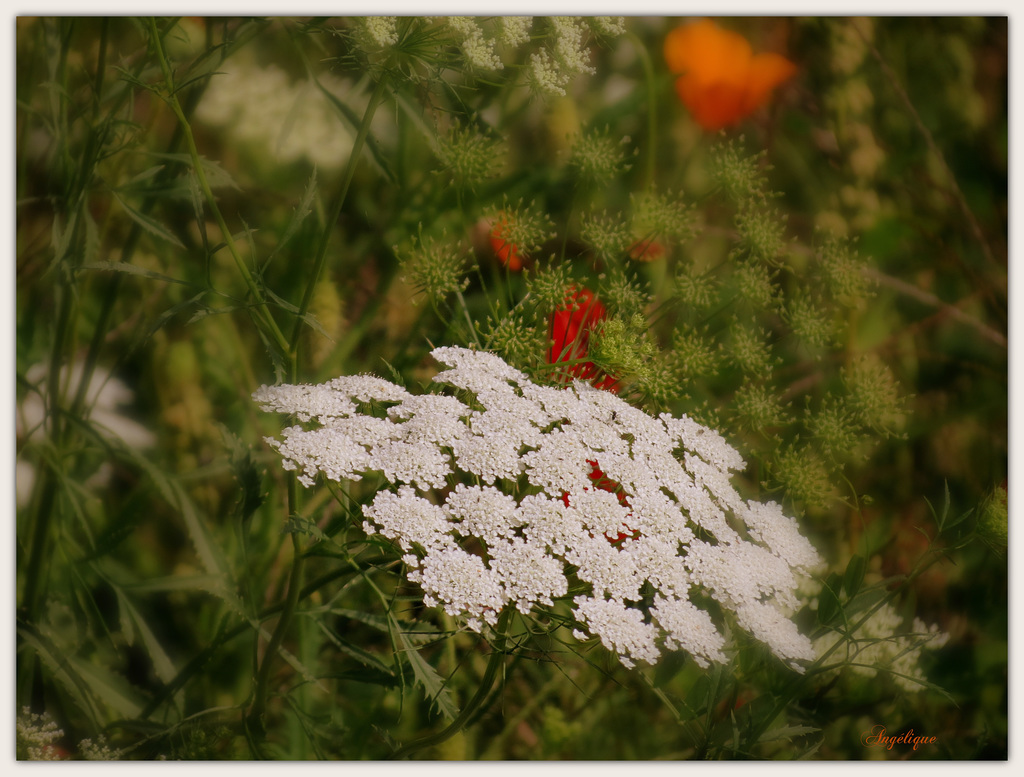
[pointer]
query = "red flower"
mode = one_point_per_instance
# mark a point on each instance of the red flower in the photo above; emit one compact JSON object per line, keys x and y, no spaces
{"x":507,"y":253}
{"x":571,"y":326}
{"x":721,"y":80}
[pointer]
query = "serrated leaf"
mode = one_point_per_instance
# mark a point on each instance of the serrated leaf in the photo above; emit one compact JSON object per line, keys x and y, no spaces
{"x":304,"y":208}
{"x":292,"y":661}
{"x":61,"y":670}
{"x":354,"y":651}
{"x":209,"y":554}
{"x":308,"y":318}
{"x":297,"y":524}
{"x":112,"y":689}
{"x":132,"y":269}
{"x":958,"y":520}
{"x":150,"y":225}
{"x":162,"y":665}
{"x":196,"y":195}
{"x":170,"y":313}
{"x":433,"y":684}
{"x":365,"y":676}
{"x":216,"y":176}
{"x":246,"y":473}
{"x":422,"y":633}
{"x":145,"y":175}
{"x":786,"y":732}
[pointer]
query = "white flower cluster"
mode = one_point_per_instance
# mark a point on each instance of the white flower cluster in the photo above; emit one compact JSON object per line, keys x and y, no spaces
{"x":37,"y":735}
{"x":478,"y":50}
{"x":260,"y":107}
{"x":515,"y":30}
{"x":879,"y":645}
{"x":496,"y":501}
{"x":381,"y":30}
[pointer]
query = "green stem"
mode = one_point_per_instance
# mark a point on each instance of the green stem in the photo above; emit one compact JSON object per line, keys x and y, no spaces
{"x":490,"y":673}
{"x":652,"y":105}
{"x":35,"y":573}
{"x":350,"y":167}
{"x":254,"y":719}
{"x":262,"y":313}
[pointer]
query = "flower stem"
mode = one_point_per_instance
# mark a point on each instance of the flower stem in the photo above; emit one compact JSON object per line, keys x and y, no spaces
{"x":262,"y":314}
{"x":493,"y":665}
{"x":652,"y":105}
{"x":321,"y":252}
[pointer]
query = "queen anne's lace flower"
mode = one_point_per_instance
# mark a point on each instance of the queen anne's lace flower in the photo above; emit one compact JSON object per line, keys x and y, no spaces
{"x":497,"y":501}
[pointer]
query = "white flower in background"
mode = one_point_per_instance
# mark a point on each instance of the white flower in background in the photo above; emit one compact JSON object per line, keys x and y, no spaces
{"x":382,"y":30}
{"x":545,"y":75}
{"x":260,"y":107}
{"x":478,"y":50}
{"x":105,"y":399}
{"x":515,"y":30}
{"x":37,"y":735}
{"x":607,"y":25}
{"x":883,"y":644}
{"x":571,"y":34}
{"x":542,"y":478}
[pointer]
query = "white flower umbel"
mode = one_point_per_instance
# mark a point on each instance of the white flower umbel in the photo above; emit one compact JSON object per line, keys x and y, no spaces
{"x":502,"y":494}
{"x":882,"y":643}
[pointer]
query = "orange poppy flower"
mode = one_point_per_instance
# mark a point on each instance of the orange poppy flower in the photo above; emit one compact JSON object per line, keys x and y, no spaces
{"x":507,"y":253}
{"x":721,"y":80}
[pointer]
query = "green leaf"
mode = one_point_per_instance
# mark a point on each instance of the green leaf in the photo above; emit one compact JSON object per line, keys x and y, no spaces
{"x":828,"y":599}
{"x":145,"y":175}
{"x":433,"y":684}
{"x":304,"y":208}
{"x":787,"y":733}
{"x":354,"y":651}
{"x":365,"y":676}
{"x":418,"y":633}
{"x":354,"y":121}
{"x":216,"y":176}
{"x":109,"y":688}
{"x":61,"y":669}
{"x":131,"y":269}
{"x":699,"y":697}
{"x":249,"y":477}
{"x":150,"y":225}
{"x":297,"y":524}
{"x":670,"y":664}
{"x":308,"y":318}
{"x":854,"y":575}
{"x":162,"y":665}
{"x":209,"y":554}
